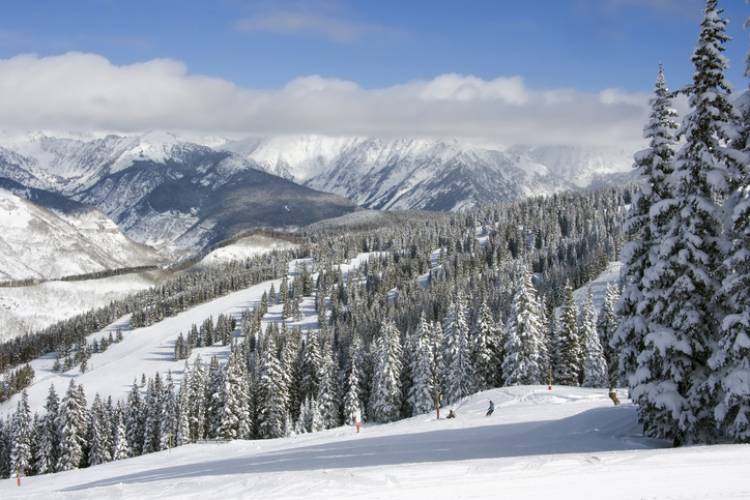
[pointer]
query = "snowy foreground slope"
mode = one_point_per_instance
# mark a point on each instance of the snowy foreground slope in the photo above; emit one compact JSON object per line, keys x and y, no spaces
{"x":565,"y":443}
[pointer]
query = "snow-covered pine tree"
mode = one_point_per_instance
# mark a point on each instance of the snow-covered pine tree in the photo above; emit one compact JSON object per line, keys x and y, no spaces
{"x":484,"y":337}
{"x":272,"y":399}
{"x":606,"y":326}
{"x":594,"y":364}
{"x":120,"y":447}
{"x":525,"y":335}
{"x":152,"y":414}
{"x":311,"y":367}
{"x":213,"y":398}
{"x":730,"y":361}
{"x":653,"y":166}
{"x":460,"y":373}
{"x":49,"y":435}
{"x":71,"y":437}
{"x":233,"y":412}
{"x":4,"y":449}
{"x":422,"y":393}
{"x":328,"y":389}
{"x":385,"y":395}
{"x":671,"y":387}
{"x":21,"y":458}
{"x":99,"y":452}
{"x":182,"y":433}
{"x":352,"y":402}
{"x":168,"y":419}
{"x":198,"y":403}
{"x":134,"y":420}
{"x":568,"y":343}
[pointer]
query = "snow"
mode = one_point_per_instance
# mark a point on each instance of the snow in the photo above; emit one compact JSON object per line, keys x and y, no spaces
{"x":31,"y":308}
{"x":598,"y":286}
{"x":568,"y":443}
{"x":245,"y":248}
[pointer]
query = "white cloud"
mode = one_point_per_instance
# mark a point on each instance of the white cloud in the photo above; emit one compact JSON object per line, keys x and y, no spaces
{"x":78,"y":92}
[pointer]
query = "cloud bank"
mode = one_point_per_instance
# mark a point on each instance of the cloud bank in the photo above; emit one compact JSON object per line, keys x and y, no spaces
{"x":78,"y":92}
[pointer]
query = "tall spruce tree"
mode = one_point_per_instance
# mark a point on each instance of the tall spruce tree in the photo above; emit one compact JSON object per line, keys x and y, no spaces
{"x":459,"y":381}
{"x":422,"y":392}
{"x":653,"y":167}
{"x":385,"y":396}
{"x":594,"y":364}
{"x":525,"y":335}
{"x":568,"y":343}
{"x":671,"y":387}
{"x":606,"y":326}
{"x":730,"y":361}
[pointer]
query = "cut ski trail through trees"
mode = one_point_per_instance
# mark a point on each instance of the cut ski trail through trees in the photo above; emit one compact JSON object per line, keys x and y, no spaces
{"x":151,"y":349}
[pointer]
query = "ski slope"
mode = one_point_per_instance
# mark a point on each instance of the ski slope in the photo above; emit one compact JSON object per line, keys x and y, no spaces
{"x":151,"y":349}
{"x":568,"y":443}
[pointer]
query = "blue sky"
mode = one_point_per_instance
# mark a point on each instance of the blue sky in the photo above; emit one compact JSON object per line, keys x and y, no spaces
{"x":497,"y":72}
{"x":584,"y":44}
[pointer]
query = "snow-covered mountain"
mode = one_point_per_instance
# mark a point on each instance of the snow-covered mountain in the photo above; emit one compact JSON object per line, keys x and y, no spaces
{"x":39,"y":243}
{"x":171,"y":193}
{"x":431,"y":174}
{"x":163,"y":191}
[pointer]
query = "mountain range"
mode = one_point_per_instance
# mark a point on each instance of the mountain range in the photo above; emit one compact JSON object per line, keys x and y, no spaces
{"x":180,"y":196}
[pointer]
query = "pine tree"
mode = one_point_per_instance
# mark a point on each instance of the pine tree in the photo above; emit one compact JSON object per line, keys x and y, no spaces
{"x":422,"y":393}
{"x":594,"y":364}
{"x":672,"y":390}
{"x":653,"y":166}
{"x":328,"y":390}
{"x":234,"y":413}
{"x":198,"y":405}
{"x":21,"y":458}
{"x":49,"y":435}
{"x":606,"y":326}
{"x":168,"y":412}
{"x":213,"y":398}
{"x":71,"y":436}
{"x":134,"y":420}
{"x":272,"y":399}
{"x":100,"y":447}
{"x":568,"y":343}
{"x":120,"y":447}
{"x":182,"y":429}
{"x":730,"y":361}
{"x":460,"y":373}
{"x":352,"y":398}
{"x":385,"y":395}
{"x":525,"y":335}
{"x":483,"y":341}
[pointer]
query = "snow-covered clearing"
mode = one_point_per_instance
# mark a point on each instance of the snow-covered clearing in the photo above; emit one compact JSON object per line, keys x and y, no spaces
{"x":30,"y":308}
{"x":598,"y":286}
{"x":568,"y":443}
{"x":245,"y":248}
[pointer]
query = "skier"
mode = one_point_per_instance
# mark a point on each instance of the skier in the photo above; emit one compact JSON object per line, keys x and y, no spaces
{"x":491,"y":409}
{"x":451,"y":414}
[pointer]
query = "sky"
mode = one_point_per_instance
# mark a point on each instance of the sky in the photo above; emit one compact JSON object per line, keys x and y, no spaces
{"x":495,"y":71}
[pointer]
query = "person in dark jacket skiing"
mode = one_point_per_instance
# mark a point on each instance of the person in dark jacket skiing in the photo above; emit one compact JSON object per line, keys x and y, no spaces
{"x":491,"y":409}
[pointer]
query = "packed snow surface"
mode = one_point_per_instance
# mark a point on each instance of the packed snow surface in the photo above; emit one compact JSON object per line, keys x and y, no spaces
{"x":31,"y":308}
{"x":567,"y":443}
{"x":245,"y":248}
